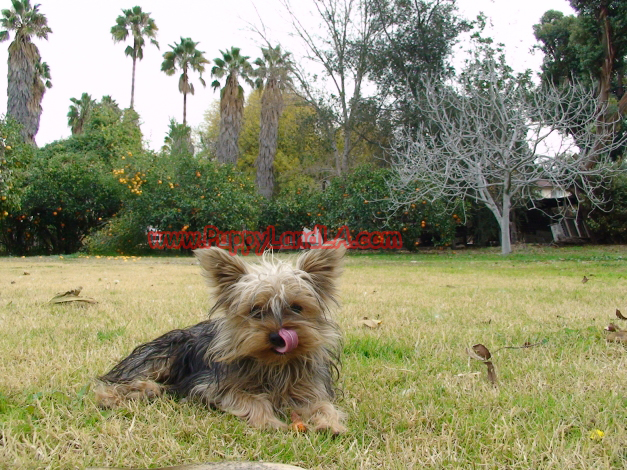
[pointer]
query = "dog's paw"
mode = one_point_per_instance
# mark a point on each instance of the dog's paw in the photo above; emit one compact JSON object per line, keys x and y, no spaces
{"x":334,"y":428}
{"x":272,"y":424}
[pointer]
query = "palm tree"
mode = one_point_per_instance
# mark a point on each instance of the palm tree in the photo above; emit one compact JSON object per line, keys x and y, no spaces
{"x":41,"y":83}
{"x":108,"y":102}
{"x":25,"y":21}
{"x":138,"y":23}
{"x":231,"y":65}
{"x":273,"y":76}
{"x":80,"y":112}
{"x":185,"y":57}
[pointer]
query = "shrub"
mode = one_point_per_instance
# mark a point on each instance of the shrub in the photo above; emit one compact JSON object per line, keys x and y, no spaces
{"x":359,"y":201}
{"x":176,"y":194}
{"x":63,"y":198}
{"x":611,"y":227}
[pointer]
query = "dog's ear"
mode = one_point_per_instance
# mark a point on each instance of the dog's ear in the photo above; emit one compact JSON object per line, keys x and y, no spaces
{"x":220,"y":268}
{"x":324,"y":266}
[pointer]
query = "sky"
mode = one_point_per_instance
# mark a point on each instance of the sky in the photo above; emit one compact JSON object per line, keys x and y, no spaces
{"x":83,"y":57}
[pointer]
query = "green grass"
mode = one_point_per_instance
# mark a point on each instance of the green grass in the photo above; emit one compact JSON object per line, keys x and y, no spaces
{"x":413,"y":397}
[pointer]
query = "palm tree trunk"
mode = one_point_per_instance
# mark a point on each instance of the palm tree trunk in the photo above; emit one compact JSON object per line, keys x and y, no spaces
{"x":133,"y":84}
{"x":23,"y":56}
{"x":231,"y":112}
{"x":271,"y":109}
{"x":184,"y":108}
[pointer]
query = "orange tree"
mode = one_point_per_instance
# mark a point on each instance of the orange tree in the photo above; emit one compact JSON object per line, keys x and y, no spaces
{"x":15,"y":157}
{"x":176,"y":192}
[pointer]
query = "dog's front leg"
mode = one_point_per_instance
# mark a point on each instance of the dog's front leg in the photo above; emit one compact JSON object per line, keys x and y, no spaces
{"x":256,"y":409}
{"x":324,"y":415}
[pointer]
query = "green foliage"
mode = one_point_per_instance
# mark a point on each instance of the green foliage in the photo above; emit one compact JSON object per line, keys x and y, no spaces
{"x":290,"y":210}
{"x":80,"y":112}
{"x":107,"y":134}
{"x":185,"y":57}
{"x":301,"y":151}
{"x":416,"y":38}
{"x":590,"y":47}
{"x":15,"y":156}
{"x":557,"y":34}
{"x":68,"y":189}
{"x":175,"y":194}
{"x":139,"y":24}
{"x":123,"y":233}
{"x":62,"y":199}
{"x":179,"y":140}
{"x":359,"y":201}
{"x":611,"y":227}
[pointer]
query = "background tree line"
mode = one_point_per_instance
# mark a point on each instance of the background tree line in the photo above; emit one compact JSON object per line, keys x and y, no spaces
{"x":264,"y":158}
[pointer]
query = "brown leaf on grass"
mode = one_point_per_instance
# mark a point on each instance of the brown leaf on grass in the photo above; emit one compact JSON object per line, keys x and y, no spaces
{"x":71,"y":296}
{"x":370,"y":323}
{"x":75,"y":292}
{"x":617,"y":337}
{"x":482,"y":351}
{"x":26,"y":273}
{"x":612,"y":327}
{"x":297,"y":423}
{"x":491,"y":373}
{"x":620,"y":316}
{"x":584,"y":280}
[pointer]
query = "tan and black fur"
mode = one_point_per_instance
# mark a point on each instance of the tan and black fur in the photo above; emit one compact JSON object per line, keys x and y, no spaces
{"x":231,"y":361}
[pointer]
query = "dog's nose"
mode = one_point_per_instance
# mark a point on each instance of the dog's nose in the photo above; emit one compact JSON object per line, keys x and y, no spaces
{"x":276,"y":340}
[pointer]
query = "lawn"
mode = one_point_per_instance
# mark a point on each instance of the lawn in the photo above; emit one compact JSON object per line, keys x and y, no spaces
{"x":413,"y":396}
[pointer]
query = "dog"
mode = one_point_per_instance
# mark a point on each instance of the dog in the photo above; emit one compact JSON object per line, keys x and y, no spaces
{"x":269,"y":344}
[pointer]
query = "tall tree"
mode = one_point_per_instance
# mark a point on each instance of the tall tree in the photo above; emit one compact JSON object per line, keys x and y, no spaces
{"x":342,"y":52}
{"x":138,"y":23}
{"x":413,"y":38}
{"x":591,"y":48}
{"x":486,"y":142}
{"x":43,"y":81}
{"x":186,"y":57}
{"x":25,"y":21}
{"x":231,"y":65}
{"x":178,"y":141}
{"x":80,"y":112}
{"x":273,"y":74}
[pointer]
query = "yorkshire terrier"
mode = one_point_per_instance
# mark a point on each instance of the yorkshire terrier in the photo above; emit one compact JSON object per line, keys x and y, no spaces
{"x":269,"y":344}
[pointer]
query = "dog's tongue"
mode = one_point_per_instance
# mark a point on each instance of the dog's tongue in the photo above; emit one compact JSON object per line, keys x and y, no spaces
{"x":291,"y":340}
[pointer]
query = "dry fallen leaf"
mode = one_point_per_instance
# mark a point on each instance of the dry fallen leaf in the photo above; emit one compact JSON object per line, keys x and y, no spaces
{"x":76,"y":292}
{"x":620,"y":316}
{"x":71,"y":296}
{"x":26,"y":273}
{"x":370,"y":323}
{"x":584,"y":280}
{"x":491,"y":372}
{"x":482,"y":351}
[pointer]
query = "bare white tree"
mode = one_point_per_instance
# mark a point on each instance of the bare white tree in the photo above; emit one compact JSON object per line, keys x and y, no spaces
{"x":486,"y":140}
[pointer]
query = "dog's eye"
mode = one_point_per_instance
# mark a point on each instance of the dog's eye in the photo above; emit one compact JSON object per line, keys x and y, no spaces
{"x":256,"y":312}
{"x":296,"y":308}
